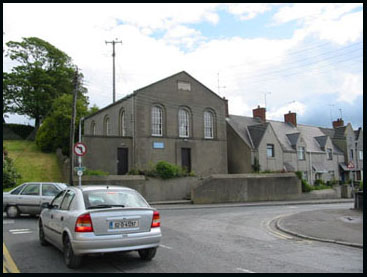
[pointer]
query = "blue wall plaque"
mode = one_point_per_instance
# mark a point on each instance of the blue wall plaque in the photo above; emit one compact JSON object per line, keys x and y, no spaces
{"x":158,"y":145}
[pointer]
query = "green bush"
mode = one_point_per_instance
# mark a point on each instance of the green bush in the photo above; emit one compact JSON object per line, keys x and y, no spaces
{"x":10,"y":174}
{"x":319,"y":182}
{"x":166,"y":170}
{"x":90,"y":172}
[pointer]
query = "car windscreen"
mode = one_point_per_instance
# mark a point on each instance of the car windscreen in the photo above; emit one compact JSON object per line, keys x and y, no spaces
{"x":108,"y":198}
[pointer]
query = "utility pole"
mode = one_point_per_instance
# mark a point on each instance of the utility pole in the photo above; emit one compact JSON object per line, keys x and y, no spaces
{"x":72,"y":127}
{"x":113,"y":67}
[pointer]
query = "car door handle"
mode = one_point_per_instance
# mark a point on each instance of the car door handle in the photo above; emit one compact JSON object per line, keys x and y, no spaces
{"x":62,"y":218}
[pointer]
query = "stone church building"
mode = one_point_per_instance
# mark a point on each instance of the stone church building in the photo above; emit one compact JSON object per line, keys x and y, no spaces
{"x":177,"y":119}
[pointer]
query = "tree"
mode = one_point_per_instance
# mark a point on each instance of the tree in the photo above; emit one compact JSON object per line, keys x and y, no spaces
{"x":55,"y":130}
{"x":43,"y":74}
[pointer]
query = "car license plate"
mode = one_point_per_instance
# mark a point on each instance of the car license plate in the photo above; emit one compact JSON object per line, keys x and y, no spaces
{"x":124,"y":224}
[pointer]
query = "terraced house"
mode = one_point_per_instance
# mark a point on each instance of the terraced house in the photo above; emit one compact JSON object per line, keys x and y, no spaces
{"x":176,"y":119}
{"x":351,"y":143}
{"x":282,"y":146}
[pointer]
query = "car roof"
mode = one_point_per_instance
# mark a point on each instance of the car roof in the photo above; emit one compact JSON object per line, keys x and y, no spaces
{"x":99,"y":187}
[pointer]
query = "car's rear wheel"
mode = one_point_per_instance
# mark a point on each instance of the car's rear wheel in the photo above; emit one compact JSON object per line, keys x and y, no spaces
{"x":41,"y":234}
{"x":71,"y":260}
{"x":12,"y":211}
{"x":147,"y":254}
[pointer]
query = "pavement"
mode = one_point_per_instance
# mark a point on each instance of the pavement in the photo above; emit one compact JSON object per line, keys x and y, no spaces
{"x":340,"y":226}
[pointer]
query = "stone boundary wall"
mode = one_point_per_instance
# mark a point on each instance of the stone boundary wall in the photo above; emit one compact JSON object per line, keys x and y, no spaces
{"x":224,"y":188}
{"x":64,"y":165}
{"x":153,"y":189}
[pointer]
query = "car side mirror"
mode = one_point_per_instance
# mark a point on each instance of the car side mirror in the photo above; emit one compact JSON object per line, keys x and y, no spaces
{"x":46,"y":205}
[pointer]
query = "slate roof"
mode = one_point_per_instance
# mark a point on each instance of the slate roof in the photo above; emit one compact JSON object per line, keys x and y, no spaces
{"x":251,"y":130}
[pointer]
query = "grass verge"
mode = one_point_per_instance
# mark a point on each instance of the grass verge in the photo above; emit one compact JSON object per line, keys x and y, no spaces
{"x":31,"y":163}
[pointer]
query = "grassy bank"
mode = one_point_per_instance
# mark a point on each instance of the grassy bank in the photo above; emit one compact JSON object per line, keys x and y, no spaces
{"x":31,"y":163}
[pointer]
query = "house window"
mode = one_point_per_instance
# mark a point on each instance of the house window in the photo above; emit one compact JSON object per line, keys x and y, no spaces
{"x":329,"y":154}
{"x":208,"y":125}
{"x":107,"y":126}
{"x":157,"y":121}
{"x":270,"y":150}
{"x":351,"y":154}
{"x":122,"y":124}
{"x":183,"y":123}
{"x":301,"y":153}
{"x":93,"y":128}
{"x":361,"y":155}
{"x":304,"y":175}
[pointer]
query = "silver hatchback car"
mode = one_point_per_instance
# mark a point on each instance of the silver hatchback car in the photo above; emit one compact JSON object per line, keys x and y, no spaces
{"x":99,"y":219}
{"x":28,"y":197}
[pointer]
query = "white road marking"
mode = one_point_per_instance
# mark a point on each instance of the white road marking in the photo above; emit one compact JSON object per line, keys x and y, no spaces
{"x":164,"y":246}
{"x":20,"y":231}
{"x":23,"y":232}
{"x":244,"y":270}
{"x":5,"y":221}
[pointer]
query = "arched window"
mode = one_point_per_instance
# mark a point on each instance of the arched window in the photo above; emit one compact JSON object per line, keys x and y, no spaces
{"x":208,"y":125}
{"x":183,"y":123}
{"x":157,"y":121}
{"x":122,"y":124}
{"x":93,"y":128}
{"x":107,"y":126}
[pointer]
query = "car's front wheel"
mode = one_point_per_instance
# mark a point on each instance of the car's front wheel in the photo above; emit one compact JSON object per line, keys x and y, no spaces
{"x":147,"y":254}
{"x":12,"y":211}
{"x":71,"y":260}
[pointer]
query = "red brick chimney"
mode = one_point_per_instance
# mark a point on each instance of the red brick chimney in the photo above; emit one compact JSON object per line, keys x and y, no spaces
{"x":338,"y":123}
{"x":291,"y":118}
{"x":260,"y":113}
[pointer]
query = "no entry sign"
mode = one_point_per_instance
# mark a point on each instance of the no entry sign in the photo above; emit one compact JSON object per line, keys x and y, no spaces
{"x":80,"y":149}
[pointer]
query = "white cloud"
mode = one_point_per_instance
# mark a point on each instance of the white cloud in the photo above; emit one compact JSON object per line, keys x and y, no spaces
{"x":244,"y":64}
{"x":351,"y":88}
{"x":335,"y":22}
{"x":247,"y":11}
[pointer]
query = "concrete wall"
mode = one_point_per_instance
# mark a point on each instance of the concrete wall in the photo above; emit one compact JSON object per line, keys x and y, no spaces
{"x":247,"y":188}
{"x":153,"y":189}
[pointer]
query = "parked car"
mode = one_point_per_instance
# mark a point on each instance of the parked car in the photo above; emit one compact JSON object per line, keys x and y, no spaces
{"x":99,"y":219}
{"x":28,"y":197}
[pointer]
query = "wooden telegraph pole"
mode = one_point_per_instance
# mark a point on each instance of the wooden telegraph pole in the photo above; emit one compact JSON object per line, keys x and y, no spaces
{"x":72,"y":127}
{"x":113,"y":67}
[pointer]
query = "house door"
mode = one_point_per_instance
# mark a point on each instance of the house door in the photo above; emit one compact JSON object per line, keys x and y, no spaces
{"x":122,"y":161}
{"x":186,"y":158}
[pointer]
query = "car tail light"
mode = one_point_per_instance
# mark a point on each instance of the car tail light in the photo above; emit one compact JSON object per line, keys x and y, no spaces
{"x":156,"y":222}
{"x":84,"y":223}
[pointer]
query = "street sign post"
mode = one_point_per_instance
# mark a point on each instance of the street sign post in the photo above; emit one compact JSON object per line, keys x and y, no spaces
{"x":80,"y":149}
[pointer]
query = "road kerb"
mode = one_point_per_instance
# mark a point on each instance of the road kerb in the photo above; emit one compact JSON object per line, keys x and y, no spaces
{"x":8,"y":264}
{"x":285,"y":230}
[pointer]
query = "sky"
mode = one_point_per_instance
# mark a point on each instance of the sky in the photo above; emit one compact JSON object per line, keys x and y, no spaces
{"x":305,"y":58}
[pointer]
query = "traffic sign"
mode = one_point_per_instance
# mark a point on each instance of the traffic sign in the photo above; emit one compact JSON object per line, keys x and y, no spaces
{"x":79,"y":168}
{"x":79,"y":173}
{"x":80,"y":149}
{"x":350,"y":165}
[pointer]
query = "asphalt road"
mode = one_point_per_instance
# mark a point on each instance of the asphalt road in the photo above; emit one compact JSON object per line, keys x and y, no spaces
{"x":223,"y":239}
